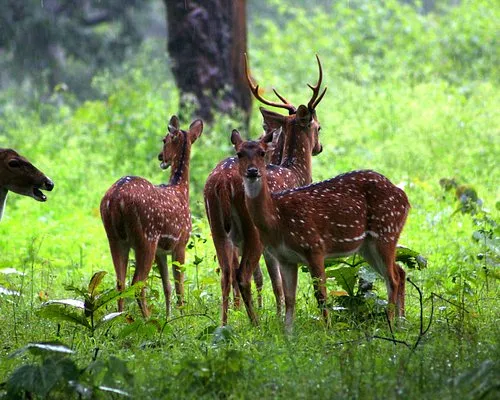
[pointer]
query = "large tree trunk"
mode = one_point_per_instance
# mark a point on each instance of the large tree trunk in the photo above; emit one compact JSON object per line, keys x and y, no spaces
{"x":206,"y":43}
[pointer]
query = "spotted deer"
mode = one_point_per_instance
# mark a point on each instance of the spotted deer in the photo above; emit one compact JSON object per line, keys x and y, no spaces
{"x":356,"y":212}
{"x":230,"y":223}
{"x":153,"y":220}
{"x":20,"y":176}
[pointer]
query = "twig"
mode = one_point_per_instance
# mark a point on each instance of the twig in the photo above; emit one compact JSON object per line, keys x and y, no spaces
{"x":451,"y":302}
{"x":422,"y":331}
{"x":395,"y":341}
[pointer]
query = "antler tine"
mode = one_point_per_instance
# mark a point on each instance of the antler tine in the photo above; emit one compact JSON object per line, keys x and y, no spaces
{"x":292,"y":109}
{"x":255,"y":91}
{"x":319,"y":98}
{"x":314,"y":99}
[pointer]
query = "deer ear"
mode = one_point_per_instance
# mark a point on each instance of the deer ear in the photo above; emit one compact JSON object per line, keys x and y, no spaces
{"x":272,"y":120}
{"x":173,"y":124}
{"x":276,"y":135}
{"x":271,"y":136}
{"x":195,"y":130}
{"x":236,"y":138}
{"x":303,"y":116}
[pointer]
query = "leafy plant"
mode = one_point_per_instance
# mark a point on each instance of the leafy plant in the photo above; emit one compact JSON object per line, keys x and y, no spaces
{"x":354,"y":275}
{"x":90,"y":312}
{"x":55,"y":375}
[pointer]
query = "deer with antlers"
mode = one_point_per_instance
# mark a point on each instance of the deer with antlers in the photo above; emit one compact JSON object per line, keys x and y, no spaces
{"x":153,"y":220}
{"x":297,"y":135}
{"x":356,"y":212}
{"x":20,"y":176}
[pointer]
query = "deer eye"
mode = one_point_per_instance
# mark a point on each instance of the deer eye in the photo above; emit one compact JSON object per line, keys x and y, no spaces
{"x":262,"y":153}
{"x":239,"y":154}
{"x":14,"y":164}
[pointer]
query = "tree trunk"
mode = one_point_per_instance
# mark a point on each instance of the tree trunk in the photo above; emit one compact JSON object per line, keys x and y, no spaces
{"x":206,"y":43}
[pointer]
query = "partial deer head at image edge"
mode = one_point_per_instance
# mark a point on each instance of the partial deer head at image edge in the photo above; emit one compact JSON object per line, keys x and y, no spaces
{"x":20,"y":176}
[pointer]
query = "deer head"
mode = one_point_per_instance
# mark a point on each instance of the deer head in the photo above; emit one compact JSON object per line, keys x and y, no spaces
{"x":175,"y":142}
{"x":20,"y":176}
{"x":301,"y":121}
{"x":252,"y":160}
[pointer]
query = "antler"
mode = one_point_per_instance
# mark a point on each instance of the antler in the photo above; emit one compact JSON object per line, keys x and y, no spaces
{"x":255,"y":90}
{"x":315,"y":99}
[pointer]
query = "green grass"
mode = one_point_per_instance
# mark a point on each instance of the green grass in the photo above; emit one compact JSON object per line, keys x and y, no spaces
{"x":389,"y":107}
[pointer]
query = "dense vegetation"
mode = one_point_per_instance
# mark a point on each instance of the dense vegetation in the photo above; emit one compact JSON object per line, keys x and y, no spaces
{"x":415,"y":97}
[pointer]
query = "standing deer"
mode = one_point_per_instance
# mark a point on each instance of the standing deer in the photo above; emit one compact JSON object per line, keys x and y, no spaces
{"x":230,"y":223}
{"x":18,"y":175}
{"x":356,"y":212}
{"x":153,"y":220}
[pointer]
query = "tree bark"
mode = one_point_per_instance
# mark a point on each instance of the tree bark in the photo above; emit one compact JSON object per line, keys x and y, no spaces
{"x":206,"y":43}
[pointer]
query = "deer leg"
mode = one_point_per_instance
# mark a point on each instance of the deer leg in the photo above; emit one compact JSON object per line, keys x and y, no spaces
{"x":391,"y":276}
{"x":234,"y":280}
{"x":400,"y":301}
{"x":259,"y":284}
{"x":161,"y":261}
{"x":178,"y":258}
{"x":224,"y":250}
{"x":289,"y":273}
{"x":144,"y":255}
{"x":249,"y":261}
{"x":317,"y":271}
{"x":274,"y":274}
{"x":119,"y":254}
{"x":381,"y":256}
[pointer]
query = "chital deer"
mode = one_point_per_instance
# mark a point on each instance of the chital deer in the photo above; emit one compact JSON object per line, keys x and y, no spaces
{"x":18,"y":175}
{"x":153,"y":220}
{"x":356,"y":212}
{"x":230,"y":223}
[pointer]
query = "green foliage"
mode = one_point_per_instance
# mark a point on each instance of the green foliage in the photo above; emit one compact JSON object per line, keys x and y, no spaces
{"x":86,"y":313}
{"x":413,"y":96}
{"x":56,"y":375}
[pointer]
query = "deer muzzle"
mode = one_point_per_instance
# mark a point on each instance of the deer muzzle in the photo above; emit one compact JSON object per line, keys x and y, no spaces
{"x":252,"y":173}
{"x":47,"y":184}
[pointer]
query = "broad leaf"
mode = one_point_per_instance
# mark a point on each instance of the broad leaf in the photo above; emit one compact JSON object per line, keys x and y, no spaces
{"x":59,"y":312}
{"x":66,"y":302}
{"x":77,"y":290}
{"x":114,"y":390}
{"x":11,"y":271}
{"x":108,"y":318}
{"x":114,"y":294}
{"x":411,"y":258}
{"x":27,"y":378}
{"x":43,"y":348}
{"x":95,"y":281}
{"x":345,"y":276}
{"x":7,"y":292}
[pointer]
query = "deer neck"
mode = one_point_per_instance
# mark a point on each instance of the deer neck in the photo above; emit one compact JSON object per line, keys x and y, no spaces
{"x":180,"y":168}
{"x":260,"y":204}
{"x":297,"y":154}
{"x":3,"y":199}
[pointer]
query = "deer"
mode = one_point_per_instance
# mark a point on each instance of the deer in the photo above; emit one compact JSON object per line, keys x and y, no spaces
{"x":153,"y":220}
{"x":356,"y":212}
{"x":296,"y":138}
{"x":20,"y":176}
